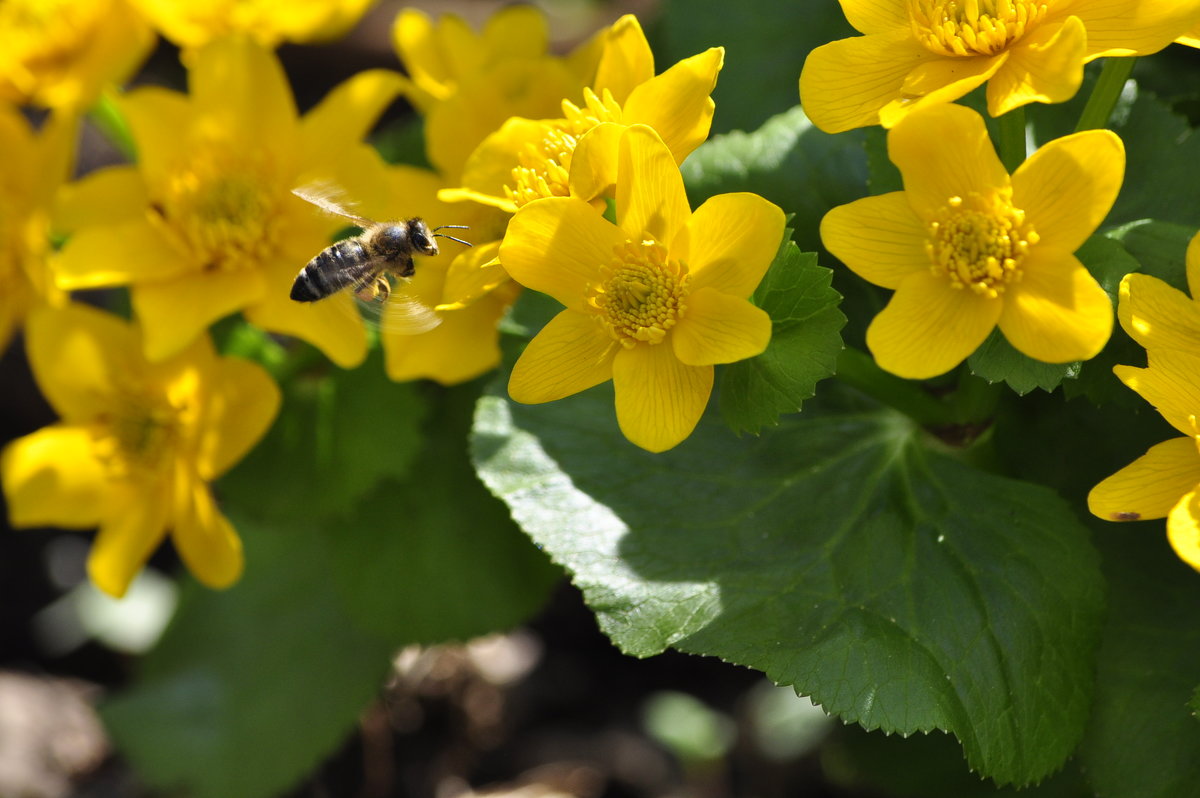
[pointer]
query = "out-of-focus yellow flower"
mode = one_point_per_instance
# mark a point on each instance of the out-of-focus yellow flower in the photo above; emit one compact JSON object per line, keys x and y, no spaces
{"x":466,"y":84}
{"x":136,"y":446}
{"x":205,"y":224}
{"x":530,"y":159}
{"x":966,"y":247}
{"x":60,"y":53}
{"x":193,"y":23}
{"x":35,"y":166}
{"x":652,"y":302}
{"x":920,"y":52}
{"x":1164,"y":482}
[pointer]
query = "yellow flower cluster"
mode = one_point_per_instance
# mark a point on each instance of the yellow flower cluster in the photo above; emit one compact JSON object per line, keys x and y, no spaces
{"x":222,"y":206}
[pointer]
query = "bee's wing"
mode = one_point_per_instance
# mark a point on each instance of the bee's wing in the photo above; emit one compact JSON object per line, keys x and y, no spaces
{"x":329,"y":198}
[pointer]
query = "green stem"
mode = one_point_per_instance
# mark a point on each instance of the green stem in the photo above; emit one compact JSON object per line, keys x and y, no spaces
{"x":857,"y":369}
{"x":1011,"y":135}
{"x":1105,"y":93}
{"x":106,"y":116}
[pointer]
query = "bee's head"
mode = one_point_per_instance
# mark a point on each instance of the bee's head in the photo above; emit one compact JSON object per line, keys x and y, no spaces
{"x":420,"y":237}
{"x":396,"y":241}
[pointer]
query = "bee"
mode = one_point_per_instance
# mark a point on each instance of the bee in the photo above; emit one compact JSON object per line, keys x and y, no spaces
{"x":365,"y":261}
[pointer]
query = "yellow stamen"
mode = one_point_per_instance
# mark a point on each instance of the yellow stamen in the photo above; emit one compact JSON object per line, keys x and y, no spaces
{"x":973,"y":27}
{"x":641,"y":295}
{"x":979,"y":243}
{"x":543,"y":167}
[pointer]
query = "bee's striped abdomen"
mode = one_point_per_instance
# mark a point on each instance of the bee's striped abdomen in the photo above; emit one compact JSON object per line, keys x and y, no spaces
{"x":343,"y":264}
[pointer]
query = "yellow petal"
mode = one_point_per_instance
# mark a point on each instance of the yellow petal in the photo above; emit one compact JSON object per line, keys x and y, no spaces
{"x":844,"y":84}
{"x":516,"y":31}
{"x":944,"y":151}
{"x":332,"y":325}
{"x":729,"y":242}
{"x":557,"y":246}
{"x":464,"y":346}
{"x":651,"y":202}
{"x":174,"y":312}
{"x":53,"y":477}
{"x":1183,"y":529}
{"x":347,"y":114}
{"x":875,"y":16}
{"x":570,"y":354}
{"x":879,"y":238}
{"x":719,"y":328}
{"x":471,"y":275}
{"x":1149,"y":486}
{"x":626,"y":61}
{"x":1134,"y":27}
{"x":242,"y":404}
{"x":594,"y":163}
{"x":677,"y":103}
{"x":128,"y":536}
{"x":239,"y":88}
{"x":1045,"y":67}
{"x":118,"y":254}
{"x":659,"y":399}
{"x":1170,"y":384}
{"x":937,"y":81}
{"x":207,"y":543}
{"x":929,"y":327}
{"x":1057,"y":312}
{"x":1193,"y":266}
{"x":1157,"y":315}
{"x":1067,"y":187}
{"x":104,"y":197}
{"x":161,"y":122}
{"x":490,"y":167}
{"x":80,"y":356}
{"x":426,"y":58}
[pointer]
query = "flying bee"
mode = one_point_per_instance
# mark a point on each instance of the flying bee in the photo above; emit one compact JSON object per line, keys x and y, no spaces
{"x":365,"y":261}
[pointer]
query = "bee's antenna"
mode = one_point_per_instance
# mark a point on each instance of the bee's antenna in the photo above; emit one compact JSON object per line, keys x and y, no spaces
{"x":452,"y":238}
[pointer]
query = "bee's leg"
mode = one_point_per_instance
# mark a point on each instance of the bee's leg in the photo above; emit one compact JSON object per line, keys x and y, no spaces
{"x":404,"y":267}
{"x":381,"y":289}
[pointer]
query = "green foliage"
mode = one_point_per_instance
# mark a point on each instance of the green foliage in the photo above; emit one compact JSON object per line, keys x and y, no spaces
{"x":900,"y":589}
{"x":793,"y":164}
{"x":997,"y":361}
{"x":804,"y":346}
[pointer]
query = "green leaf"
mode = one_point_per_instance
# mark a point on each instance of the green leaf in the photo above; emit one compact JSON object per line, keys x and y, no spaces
{"x":804,"y":347}
{"x":437,"y":557}
{"x":791,"y":163}
{"x":1143,"y":740}
{"x":1156,"y":248}
{"x":901,"y":589}
{"x":997,"y":361}
{"x":765,"y":46}
{"x":250,"y":688}
{"x":1162,"y":164}
{"x":339,"y":433}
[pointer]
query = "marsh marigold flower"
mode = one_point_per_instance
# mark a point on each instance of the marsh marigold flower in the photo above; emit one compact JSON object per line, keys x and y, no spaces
{"x":205,"y":224}
{"x":35,"y":166}
{"x":530,"y":159}
{"x":467,"y":84}
{"x":653,"y":301}
{"x":966,"y":247}
{"x":916,"y":53}
{"x":136,"y":445}
{"x":60,"y":53}
{"x":193,"y":23}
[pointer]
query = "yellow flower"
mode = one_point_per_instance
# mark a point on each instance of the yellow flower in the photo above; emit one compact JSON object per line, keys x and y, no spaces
{"x":920,"y":52}
{"x":528,"y":159}
{"x":966,"y":247}
{"x":205,"y":224}
{"x":269,"y":22}
{"x":652,"y":302}
{"x":466,"y":85}
{"x":59,"y":53}
{"x":35,"y":166}
{"x":1164,"y":482}
{"x":136,"y":446}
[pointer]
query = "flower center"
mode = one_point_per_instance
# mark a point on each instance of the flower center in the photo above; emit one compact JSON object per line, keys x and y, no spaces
{"x":979,"y":243}
{"x":641,"y":294}
{"x":140,"y":437}
{"x":223,"y":213}
{"x":973,"y":27}
{"x":544,"y":166}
